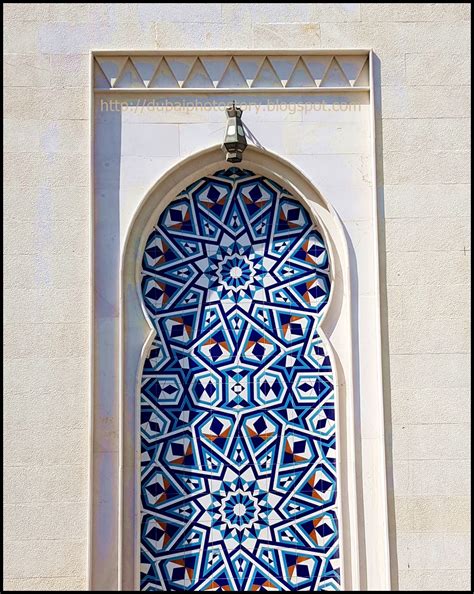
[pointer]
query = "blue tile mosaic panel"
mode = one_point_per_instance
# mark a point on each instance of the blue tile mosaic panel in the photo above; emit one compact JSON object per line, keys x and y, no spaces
{"x":238,"y":444}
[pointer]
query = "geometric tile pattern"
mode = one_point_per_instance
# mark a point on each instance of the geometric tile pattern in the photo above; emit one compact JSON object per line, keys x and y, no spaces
{"x":238,"y":442}
{"x":308,"y":70}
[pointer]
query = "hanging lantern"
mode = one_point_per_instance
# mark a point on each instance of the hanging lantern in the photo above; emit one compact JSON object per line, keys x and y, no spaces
{"x":234,"y":142}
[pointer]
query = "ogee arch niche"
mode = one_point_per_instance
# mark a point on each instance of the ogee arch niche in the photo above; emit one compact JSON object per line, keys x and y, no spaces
{"x":238,"y":436}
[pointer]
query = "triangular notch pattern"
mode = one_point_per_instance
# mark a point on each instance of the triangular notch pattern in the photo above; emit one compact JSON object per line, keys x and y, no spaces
{"x":224,"y":71}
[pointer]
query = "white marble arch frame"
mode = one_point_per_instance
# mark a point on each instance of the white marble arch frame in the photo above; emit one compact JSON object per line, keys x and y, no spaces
{"x":135,"y":334}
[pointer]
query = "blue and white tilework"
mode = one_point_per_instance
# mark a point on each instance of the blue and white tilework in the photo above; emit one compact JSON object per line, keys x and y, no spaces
{"x":238,"y":443}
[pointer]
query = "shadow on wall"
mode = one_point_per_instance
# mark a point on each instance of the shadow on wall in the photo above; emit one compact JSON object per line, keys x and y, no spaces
{"x":104,"y":500}
{"x":357,"y":410}
{"x":384,"y":321}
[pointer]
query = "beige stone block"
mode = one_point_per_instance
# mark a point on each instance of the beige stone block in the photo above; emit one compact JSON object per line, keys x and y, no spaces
{"x":441,"y":514}
{"x":20,"y":135}
{"x":436,"y":478}
{"x":20,"y":36}
{"x":46,"y":270}
{"x":400,"y":442}
{"x":45,"y":304}
{"x":266,"y":13}
{"x":389,"y":68}
{"x":33,"y":11}
{"x":421,"y":167}
{"x":428,"y":268}
{"x":80,"y":38}
{"x":69,"y":70}
{"x":446,"y":68}
{"x":421,"y":302}
{"x":290,"y":13}
{"x":42,"y":375}
{"x":394,"y":302}
{"x":45,"y":239}
{"x":53,"y":558}
{"x":401,"y":478}
{"x":414,"y":200}
{"x":56,"y":340}
{"x":336,"y":13}
{"x":434,"y":580}
{"x":185,"y":35}
{"x":449,"y":441}
{"x":46,"y":104}
{"x":423,"y":404}
{"x":68,"y":137}
{"x":431,"y":134}
{"x":56,"y":137}
{"x":45,"y":169}
{"x":448,"y":334}
{"x":55,"y":408}
{"x":430,"y":234}
{"x":61,"y":446}
{"x":167,"y":12}
{"x":68,"y":203}
{"x":403,"y":514}
{"x":49,"y":483}
{"x":425,"y":102}
{"x":440,"y":370}
{"x":139,"y":35}
{"x":74,"y":13}
{"x":433,"y":551}
{"x":242,"y":12}
{"x":286,"y":35}
{"x":54,"y":12}
{"x":26,"y":70}
{"x":416,"y":12}
{"x":45,"y":584}
{"x":429,"y":336}
{"x":398,"y":38}
{"x":442,"y":442}
{"x":38,"y":521}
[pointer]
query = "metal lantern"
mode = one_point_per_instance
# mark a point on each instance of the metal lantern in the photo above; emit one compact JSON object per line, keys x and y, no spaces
{"x":234,"y":142}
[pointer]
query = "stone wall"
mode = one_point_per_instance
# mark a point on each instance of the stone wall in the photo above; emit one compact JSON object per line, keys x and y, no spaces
{"x":423,"y":158}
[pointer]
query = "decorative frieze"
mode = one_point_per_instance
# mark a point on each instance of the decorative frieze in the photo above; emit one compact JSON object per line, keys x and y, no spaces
{"x":219,"y":72}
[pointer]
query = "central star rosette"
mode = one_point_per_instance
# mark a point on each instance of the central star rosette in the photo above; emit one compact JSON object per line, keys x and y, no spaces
{"x":236,"y":272}
{"x":239,"y":510}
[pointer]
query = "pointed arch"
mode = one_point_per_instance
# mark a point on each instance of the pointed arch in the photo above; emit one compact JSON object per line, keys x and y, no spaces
{"x":136,"y":330}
